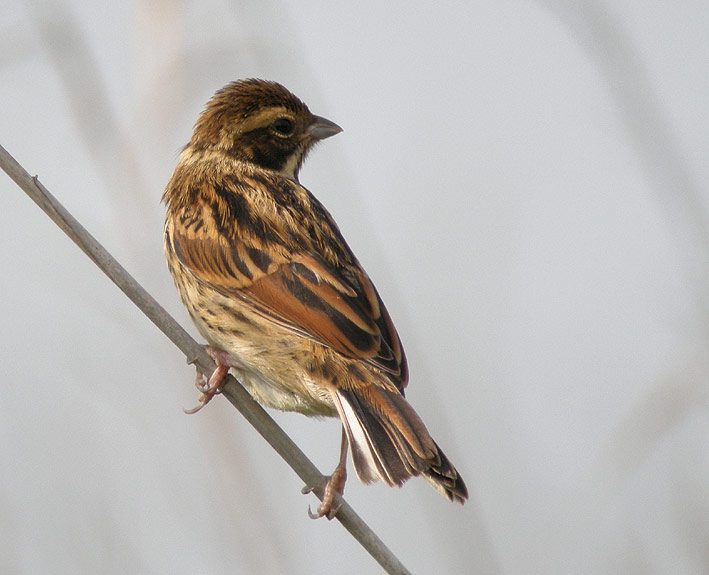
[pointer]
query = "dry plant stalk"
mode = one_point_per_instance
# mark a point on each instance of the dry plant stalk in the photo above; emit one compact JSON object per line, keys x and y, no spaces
{"x":232,"y":389}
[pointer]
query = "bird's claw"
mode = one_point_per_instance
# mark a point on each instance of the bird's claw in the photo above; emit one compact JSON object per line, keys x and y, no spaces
{"x":324,"y":511}
{"x":203,"y":400}
{"x":208,"y":388}
{"x":335,"y":485}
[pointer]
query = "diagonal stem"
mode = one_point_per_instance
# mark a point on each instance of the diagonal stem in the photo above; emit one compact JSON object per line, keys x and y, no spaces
{"x":232,"y":390}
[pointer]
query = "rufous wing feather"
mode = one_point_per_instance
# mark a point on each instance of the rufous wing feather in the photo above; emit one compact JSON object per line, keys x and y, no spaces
{"x":337,"y":307}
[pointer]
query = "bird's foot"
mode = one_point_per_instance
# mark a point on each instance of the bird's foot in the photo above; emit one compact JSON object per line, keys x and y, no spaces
{"x":208,"y":388}
{"x":335,"y":484}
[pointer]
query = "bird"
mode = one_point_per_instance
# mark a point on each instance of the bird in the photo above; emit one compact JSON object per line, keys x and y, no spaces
{"x":283,"y":303}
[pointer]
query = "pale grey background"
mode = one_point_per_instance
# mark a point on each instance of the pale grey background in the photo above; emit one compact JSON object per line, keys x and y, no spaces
{"x":526,"y":182}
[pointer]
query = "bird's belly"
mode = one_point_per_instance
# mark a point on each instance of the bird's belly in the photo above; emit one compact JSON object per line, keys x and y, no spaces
{"x":276,"y":364}
{"x":303,"y":397}
{"x":278,"y":367}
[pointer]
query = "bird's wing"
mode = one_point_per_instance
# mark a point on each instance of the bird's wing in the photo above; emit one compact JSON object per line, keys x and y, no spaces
{"x":297,"y":289}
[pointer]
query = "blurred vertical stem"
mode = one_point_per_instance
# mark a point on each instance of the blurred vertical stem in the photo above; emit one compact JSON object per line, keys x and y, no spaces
{"x":645,"y":120}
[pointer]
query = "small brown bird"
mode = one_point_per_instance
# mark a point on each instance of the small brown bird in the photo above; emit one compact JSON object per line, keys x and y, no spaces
{"x":279,"y":296}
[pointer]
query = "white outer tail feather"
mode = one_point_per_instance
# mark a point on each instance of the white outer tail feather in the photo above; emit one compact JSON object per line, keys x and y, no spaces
{"x":397,"y":453}
{"x":365,"y":466}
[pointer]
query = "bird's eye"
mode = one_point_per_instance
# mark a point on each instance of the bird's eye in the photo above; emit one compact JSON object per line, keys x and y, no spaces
{"x":283,"y":126}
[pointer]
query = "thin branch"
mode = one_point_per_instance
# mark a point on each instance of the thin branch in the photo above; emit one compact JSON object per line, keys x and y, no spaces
{"x":232,"y":389}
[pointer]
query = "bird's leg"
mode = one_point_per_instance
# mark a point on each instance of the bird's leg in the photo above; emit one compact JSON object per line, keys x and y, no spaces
{"x":209,"y":388}
{"x":335,"y":484}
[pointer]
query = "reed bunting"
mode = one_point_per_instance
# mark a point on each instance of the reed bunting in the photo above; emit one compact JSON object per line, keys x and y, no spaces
{"x":279,"y":296}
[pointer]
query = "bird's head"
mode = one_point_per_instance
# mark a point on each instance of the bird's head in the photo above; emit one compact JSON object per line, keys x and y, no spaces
{"x":262,"y":123}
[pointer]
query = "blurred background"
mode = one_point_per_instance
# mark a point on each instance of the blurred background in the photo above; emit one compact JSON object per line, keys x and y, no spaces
{"x":526,"y":183}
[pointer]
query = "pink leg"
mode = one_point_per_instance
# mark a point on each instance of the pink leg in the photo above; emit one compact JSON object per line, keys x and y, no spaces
{"x":335,"y":484}
{"x":208,"y":389}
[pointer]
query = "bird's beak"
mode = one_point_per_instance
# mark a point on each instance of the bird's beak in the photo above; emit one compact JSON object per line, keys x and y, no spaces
{"x":322,"y":128}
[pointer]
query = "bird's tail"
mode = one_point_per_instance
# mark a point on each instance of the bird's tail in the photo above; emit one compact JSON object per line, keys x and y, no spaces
{"x":390,"y":442}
